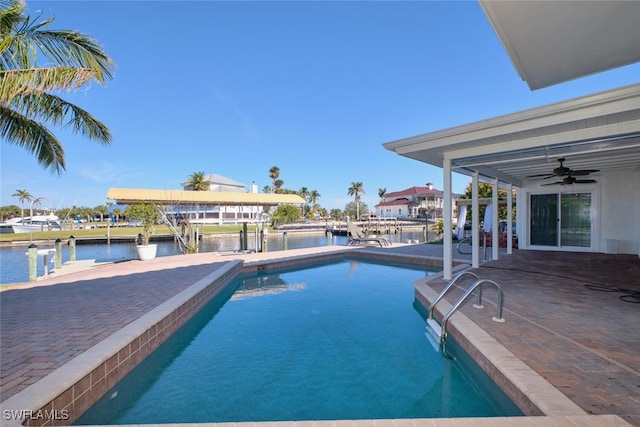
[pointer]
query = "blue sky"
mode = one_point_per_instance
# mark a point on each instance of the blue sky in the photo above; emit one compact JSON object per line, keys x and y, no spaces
{"x":314,"y":88}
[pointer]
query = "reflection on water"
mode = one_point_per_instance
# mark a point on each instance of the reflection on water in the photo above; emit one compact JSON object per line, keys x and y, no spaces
{"x":15,"y":267}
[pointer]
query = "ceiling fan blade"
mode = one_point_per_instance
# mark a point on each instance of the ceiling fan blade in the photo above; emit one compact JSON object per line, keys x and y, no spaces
{"x":564,"y":172}
{"x":584,"y":172}
{"x":542,"y":175}
{"x":572,"y":181}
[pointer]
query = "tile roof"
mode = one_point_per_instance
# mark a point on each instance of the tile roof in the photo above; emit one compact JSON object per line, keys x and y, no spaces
{"x":414,"y":191}
{"x":396,"y":202}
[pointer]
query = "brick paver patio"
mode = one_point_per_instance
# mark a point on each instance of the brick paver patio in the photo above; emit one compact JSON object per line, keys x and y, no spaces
{"x":583,"y":341}
{"x":44,"y":326}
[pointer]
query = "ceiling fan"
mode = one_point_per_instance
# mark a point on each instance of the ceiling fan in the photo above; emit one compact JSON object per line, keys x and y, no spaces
{"x":562,"y":170}
{"x":570,"y":179}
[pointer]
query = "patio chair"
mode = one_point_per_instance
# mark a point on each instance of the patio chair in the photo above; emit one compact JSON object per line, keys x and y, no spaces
{"x":355,"y":237}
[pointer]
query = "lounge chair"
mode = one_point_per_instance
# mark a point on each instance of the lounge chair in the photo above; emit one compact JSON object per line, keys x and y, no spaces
{"x":355,"y":237}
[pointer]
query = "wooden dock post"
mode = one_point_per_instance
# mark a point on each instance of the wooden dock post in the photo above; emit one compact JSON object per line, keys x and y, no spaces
{"x":72,"y":248}
{"x":58,"y":246}
{"x":33,"y":262}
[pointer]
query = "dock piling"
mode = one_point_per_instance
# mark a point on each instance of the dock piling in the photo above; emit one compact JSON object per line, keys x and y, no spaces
{"x":33,"y":262}
{"x":58,"y":246}
{"x":72,"y":248}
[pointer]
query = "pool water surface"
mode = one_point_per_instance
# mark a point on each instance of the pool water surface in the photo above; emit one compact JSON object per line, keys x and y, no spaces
{"x":330,"y":341}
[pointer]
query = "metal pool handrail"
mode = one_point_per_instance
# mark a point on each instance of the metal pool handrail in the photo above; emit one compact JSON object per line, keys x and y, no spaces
{"x":463,"y":298}
{"x":448,"y":287}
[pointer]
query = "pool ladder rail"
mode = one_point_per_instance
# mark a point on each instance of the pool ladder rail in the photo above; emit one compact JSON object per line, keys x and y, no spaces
{"x":437,"y":333}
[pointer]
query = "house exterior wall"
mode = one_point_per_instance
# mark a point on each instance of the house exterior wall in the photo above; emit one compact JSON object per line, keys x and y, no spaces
{"x":225,"y":214}
{"x":213,"y":186}
{"x":620,"y":211}
{"x":615,"y":211}
{"x":398,"y":211}
{"x":222,"y":214}
{"x":416,"y":202}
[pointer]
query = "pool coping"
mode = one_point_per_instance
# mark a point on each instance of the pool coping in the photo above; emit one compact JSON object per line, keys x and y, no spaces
{"x":533,"y":395}
{"x":61,"y":396}
{"x":70,"y":390}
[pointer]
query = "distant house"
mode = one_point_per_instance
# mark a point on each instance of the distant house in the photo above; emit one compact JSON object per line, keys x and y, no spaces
{"x":220,"y":183}
{"x":414,"y":202}
{"x":224,"y":214}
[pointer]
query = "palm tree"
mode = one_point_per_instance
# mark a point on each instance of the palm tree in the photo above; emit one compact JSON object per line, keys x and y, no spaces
{"x":277,"y":185}
{"x":35,"y":202}
{"x":381,"y":193}
{"x":314,"y":196}
{"x":197,"y":182}
{"x":23,"y":196}
{"x":355,"y":190}
{"x":102,"y":210}
{"x":27,"y":100}
{"x":274,"y":174}
{"x":304,"y":193}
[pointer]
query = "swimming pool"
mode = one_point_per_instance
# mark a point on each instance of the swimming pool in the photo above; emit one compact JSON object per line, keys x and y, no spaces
{"x":329,"y":341}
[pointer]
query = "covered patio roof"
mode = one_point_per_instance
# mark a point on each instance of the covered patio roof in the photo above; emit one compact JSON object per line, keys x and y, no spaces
{"x":128,"y":196}
{"x":599,"y":131}
{"x":550,"y":42}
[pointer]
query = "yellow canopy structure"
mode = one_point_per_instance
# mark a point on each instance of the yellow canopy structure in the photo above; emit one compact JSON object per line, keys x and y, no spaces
{"x":129,"y":196}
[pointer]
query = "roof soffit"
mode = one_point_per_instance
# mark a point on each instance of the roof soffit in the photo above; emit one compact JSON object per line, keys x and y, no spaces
{"x":601,"y":115}
{"x":550,"y":42}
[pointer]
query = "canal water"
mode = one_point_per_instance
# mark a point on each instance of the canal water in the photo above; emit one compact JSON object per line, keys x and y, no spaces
{"x":14,"y":266}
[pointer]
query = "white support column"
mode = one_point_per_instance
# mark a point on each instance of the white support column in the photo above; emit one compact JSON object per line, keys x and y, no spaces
{"x":509,"y":219}
{"x":495,"y":247}
{"x":447,"y":248}
{"x":475,"y":221}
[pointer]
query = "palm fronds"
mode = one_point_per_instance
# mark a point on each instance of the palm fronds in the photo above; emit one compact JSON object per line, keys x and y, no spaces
{"x":27,"y":102}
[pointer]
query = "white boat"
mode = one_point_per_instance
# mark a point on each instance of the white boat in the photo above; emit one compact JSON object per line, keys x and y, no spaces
{"x":30,"y":224}
{"x":7,"y":226}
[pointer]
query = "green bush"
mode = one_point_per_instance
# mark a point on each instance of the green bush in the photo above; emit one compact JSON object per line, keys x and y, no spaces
{"x":147,"y":214}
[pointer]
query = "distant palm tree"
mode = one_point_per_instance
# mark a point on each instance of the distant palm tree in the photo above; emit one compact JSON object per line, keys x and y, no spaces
{"x":23,"y":196}
{"x":277,"y":186}
{"x":304,"y":193}
{"x":27,"y":100}
{"x":355,"y":190}
{"x":274,"y":174}
{"x":314,"y":196}
{"x":102,"y":210}
{"x":35,"y":202}
{"x":197,"y":182}
{"x":381,"y":193}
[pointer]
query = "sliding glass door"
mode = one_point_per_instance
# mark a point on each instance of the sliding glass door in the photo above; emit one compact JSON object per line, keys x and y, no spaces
{"x":544,"y":220}
{"x":560,"y":220}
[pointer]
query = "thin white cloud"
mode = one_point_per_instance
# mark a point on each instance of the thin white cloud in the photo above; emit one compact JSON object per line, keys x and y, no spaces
{"x":109,"y":174}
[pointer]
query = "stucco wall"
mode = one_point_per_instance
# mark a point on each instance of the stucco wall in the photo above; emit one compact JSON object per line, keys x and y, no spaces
{"x":620,"y":210}
{"x":616,"y":212}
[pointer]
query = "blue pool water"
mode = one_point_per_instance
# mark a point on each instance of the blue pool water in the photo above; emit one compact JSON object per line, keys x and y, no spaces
{"x":330,"y":341}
